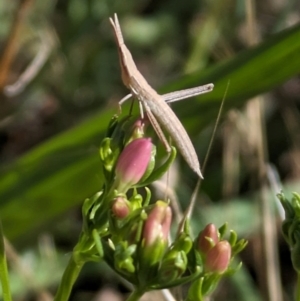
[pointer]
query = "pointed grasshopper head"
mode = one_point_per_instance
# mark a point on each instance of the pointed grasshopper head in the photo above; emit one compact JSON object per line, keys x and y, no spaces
{"x":126,"y":61}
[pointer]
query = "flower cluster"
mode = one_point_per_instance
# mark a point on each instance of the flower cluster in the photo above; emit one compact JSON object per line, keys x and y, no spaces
{"x":132,"y":234}
{"x":291,"y":226}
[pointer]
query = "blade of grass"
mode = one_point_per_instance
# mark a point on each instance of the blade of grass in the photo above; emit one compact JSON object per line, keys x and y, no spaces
{"x":3,"y":269}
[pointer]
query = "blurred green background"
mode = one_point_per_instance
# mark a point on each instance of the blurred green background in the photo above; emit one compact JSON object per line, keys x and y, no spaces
{"x":60,"y":83}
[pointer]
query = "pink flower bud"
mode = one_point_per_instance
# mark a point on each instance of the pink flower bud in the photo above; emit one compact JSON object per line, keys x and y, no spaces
{"x":133,"y":163}
{"x":138,"y":128}
{"x":157,"y":225}
{"x":207,"y":238}
{"x":218,"y":257}
{"x":120,"y":207}
{"x":155,"y":234}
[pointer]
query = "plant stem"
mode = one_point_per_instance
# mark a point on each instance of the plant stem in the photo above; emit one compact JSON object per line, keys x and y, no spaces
{"x":297,"y":296}
{"x":68,"y":279}
{"x":135,"y":295}
{"x":3,"y":269}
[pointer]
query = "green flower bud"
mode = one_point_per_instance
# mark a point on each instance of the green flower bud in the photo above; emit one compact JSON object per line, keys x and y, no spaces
{"x":123,"y":260}
{"x":172,"y":267}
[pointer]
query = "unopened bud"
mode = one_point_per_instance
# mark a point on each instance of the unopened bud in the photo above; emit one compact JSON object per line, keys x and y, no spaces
{"x":157,"y":225}
{"x":208,"y":238}
{"x":154,"y":241}
{"x":133,"y":163}
{"x":138,"y":129}
{"x":173,"y":266}
{"x":120,"y":207}
{"x":155,"y":232}
{"x":218,"y":257}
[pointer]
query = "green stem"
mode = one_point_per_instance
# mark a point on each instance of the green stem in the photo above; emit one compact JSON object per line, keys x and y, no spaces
{"x":297,"y":296}
{"x":68,"y":279}
{"x":3,"y":269}
{"x":135,"y":295}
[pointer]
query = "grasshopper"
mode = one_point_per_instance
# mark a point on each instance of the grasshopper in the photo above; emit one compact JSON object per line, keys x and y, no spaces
{"x":155,"y":105}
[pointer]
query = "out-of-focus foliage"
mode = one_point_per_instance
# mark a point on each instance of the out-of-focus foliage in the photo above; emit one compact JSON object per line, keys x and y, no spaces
{"x":51,"y":127}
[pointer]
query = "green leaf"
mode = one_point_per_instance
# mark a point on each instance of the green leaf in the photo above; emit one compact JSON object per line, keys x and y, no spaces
{"x":248,"y":74}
